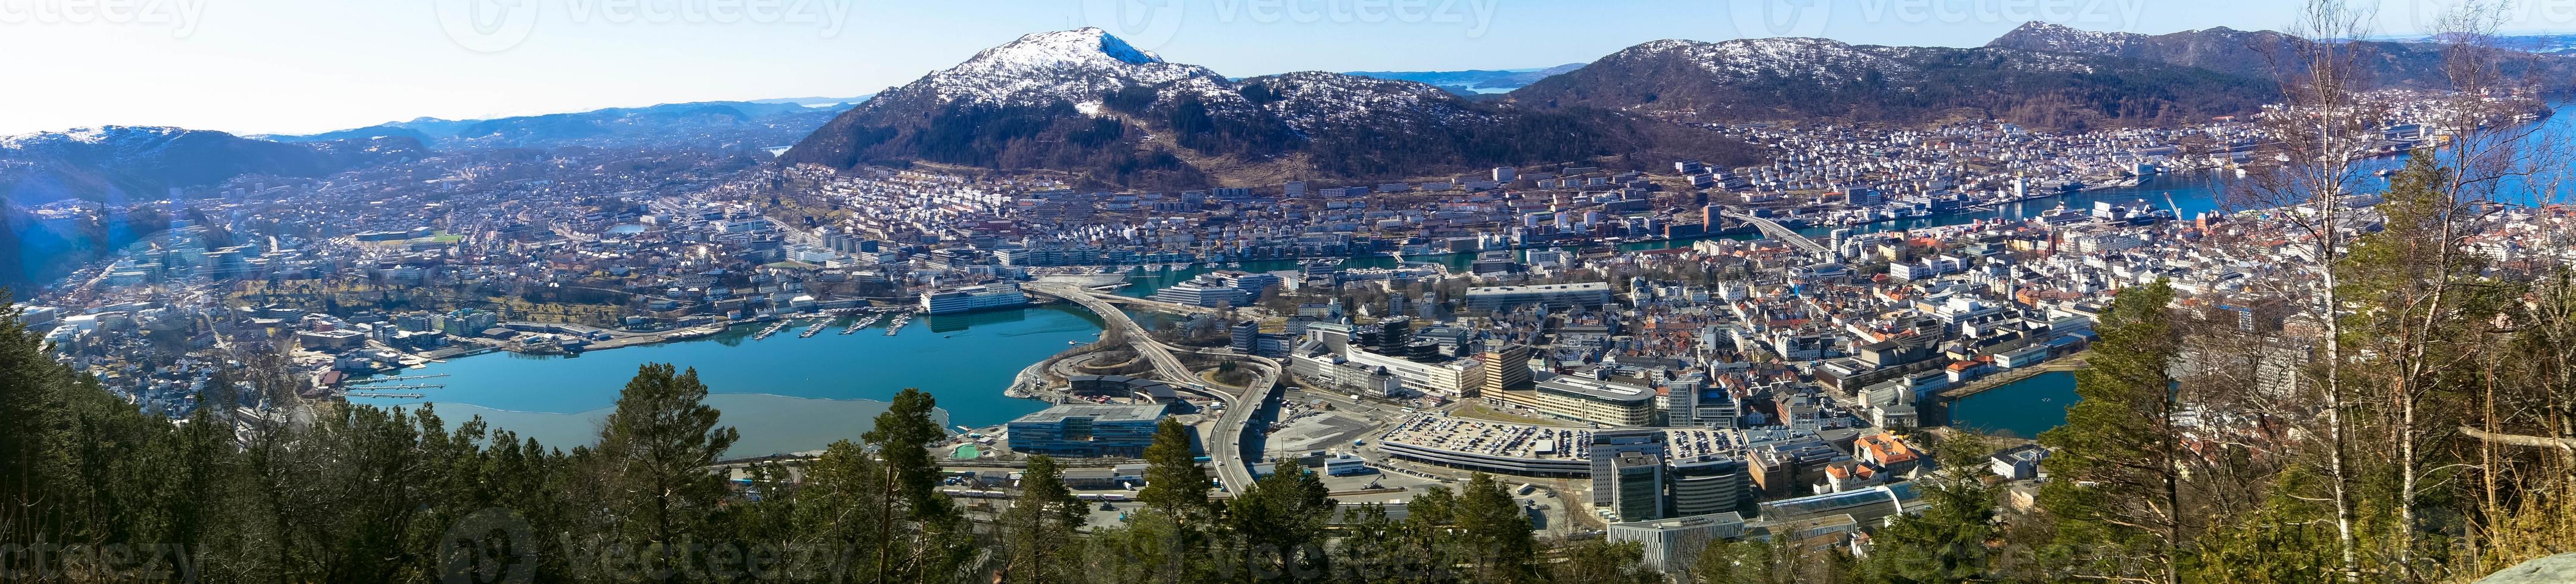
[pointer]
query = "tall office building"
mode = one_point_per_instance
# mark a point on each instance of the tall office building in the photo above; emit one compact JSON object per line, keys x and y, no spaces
{"x":1396,"y":332}
{"x":1711,"y":485}
{"x":1506,"y":368}
{"x":1610,"y":444}
{"x":1681,"y":403}
{"x":1637,"y":492}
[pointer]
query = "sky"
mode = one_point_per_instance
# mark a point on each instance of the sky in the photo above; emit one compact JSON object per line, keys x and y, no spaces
{"x":300,"y":66}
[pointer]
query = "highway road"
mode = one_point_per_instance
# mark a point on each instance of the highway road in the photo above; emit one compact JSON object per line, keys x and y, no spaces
{"x":1225,"y":443}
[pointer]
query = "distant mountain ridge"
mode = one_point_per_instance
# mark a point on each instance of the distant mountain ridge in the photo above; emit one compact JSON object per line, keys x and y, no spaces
{"x":143,"y":162}
{"x":1806,"y":78}
{"x":714,"y":123}
{"x":1086,"y":102}
{"x":2416,"y":64}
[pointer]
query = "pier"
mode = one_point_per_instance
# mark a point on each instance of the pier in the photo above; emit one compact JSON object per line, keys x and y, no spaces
{"x":2073,"y":362}
{"x":397,"y":378}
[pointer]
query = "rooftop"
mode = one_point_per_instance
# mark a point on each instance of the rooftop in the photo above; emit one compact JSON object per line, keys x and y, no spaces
{"x":1550,"y":442}
{"x":1097,"y":412}
{"x":1543,"y":288}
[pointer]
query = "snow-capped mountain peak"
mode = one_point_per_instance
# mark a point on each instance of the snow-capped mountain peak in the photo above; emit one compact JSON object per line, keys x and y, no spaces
{"x":1078,"y":46}
{"x":1072,"y":65}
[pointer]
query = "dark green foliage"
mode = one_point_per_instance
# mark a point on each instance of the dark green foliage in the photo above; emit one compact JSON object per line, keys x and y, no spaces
{"x":1174,"y":484}
{"x":1278,"y":526}
{"x":1602,"y":562}
{"x":2116,"y":462}
{"x":653,"y":453}
{"x":1038,"y":531}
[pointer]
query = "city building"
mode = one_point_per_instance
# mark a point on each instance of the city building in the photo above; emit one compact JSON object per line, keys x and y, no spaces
{"x":1576,"y":294}
{"x":1609,"y":403}
{"x":1506,"y":369}
{"x":1085,"y":430}
{"x":1711,"y":485}
{"x":1672,"y":545}
{"x":1608,"y":446}
{"x":1637,"y":487}
{"x":970,"y":298}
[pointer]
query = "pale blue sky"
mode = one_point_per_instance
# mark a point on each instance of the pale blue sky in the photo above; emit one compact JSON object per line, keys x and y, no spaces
{"x":257,"y":66}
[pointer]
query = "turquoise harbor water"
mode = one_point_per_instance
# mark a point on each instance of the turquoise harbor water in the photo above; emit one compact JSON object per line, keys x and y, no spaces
{"x":2021,"y":409}
{"x":784,"y":393}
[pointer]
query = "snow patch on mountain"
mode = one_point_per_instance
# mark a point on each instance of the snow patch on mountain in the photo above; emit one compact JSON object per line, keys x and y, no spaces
{"x":2053,"y":37}
{"x":113,"y":135}
{"x":1826,"y":60}
{"x":1041,"y":68}
{"x":1310,"y":101}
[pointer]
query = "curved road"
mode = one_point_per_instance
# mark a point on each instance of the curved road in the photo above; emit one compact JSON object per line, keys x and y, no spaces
{"x":1226,"y":445}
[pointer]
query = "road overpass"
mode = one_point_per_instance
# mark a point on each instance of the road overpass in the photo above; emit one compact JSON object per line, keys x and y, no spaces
{"x":1774,"y":230}
{"x":1156,"y":305}
{"x":1225,"y":443}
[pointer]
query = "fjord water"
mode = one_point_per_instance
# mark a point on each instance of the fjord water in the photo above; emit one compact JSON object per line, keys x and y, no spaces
{"x":784,"y":393}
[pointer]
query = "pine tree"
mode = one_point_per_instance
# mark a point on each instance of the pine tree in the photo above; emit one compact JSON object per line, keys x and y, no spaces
{"x":656,"y":448}
{"x":1278,"y":526}
{"x":1501,"y":543}
{"x":838,"y":535}
{"x":1947,"y":541}
{"x":1174,"y":484}
{"x":1040,"y":526}
{"x":33,"y":426}
{"x":2117,"y":488}
{"x":922,"y":535}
